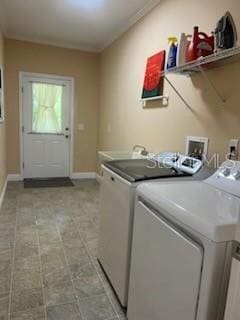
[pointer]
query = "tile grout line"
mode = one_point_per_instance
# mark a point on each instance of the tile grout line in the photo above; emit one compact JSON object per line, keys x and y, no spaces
{"x":92,"y":262}
{"x":70,"y":273}
{"x":13,"y":261}
{"x":100,"y":277}
{"x":105,"y":289}
{"x":41,"y":272}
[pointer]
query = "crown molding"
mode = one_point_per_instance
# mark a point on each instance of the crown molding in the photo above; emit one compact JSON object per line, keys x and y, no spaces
{"x":151,"y":4}
{"x":60,"y":44}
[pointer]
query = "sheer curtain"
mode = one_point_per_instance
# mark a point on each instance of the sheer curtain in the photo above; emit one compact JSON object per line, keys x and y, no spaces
{"x":47,"y":108}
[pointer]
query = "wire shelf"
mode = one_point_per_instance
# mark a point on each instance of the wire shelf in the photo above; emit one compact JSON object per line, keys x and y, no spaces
{"x":215,"y":60}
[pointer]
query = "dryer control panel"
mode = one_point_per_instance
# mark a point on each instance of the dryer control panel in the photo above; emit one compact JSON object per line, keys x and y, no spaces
{"x":179,"y":161}
{"x":227,"y":177}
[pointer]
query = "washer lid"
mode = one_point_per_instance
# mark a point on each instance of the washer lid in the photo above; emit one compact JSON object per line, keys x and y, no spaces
{"x":209,"y":211}
{"x":134,"y":170}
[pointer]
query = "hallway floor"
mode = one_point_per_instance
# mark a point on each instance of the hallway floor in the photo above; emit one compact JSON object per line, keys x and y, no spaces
{"x":48,"y":248}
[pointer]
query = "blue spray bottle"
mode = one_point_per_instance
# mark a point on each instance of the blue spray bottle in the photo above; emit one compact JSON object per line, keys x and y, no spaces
{"x":172,"y":54}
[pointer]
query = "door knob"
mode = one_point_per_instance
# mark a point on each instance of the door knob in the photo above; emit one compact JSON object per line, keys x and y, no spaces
{"x":66,"y":129}
{"x":66,"y":136}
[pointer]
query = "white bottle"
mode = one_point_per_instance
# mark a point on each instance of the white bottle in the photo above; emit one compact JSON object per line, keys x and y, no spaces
{"x":182,"y":48}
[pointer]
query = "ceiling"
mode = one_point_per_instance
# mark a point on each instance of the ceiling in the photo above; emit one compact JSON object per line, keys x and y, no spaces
{"x":82,"y":24}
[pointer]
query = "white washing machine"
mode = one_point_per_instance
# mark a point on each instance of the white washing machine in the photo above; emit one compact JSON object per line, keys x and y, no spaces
{"x":119,"y":180}
{"x":182,"y":247}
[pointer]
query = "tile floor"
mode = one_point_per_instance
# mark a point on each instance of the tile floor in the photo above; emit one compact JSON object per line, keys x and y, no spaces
{"x":48,"y":247}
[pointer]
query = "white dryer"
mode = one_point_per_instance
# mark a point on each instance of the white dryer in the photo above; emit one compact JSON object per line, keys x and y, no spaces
{"x":182,"y":246}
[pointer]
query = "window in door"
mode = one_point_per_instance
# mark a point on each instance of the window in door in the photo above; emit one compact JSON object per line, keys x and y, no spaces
{"x":47,"y":102}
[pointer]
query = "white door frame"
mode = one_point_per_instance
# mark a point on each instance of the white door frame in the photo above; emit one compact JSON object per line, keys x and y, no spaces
{"x":23,"y":74}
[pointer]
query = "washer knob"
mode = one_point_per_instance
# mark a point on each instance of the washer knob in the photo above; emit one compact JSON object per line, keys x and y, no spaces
{"x":226,"y":172}
{"x":236,"y":175}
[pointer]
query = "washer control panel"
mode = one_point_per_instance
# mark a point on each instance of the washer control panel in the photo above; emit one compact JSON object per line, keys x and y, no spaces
{"x":179,"y":161}
{"x":227,"y":177}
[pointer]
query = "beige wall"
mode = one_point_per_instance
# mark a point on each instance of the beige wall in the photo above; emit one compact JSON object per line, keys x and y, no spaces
{"x":166,"y":128}
{"x":84,"y":67}
{"x":3,"y":169}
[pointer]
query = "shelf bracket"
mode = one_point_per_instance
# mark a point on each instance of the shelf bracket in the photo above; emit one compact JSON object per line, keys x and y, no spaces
{"x":210,"y":82}
{"x":177,"y":92}
{"x":163,"y":98}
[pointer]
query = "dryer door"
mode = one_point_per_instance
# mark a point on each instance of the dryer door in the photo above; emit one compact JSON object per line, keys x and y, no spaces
{"x":165,"y":270}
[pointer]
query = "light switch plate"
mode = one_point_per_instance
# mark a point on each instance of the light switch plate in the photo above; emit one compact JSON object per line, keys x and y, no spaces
{"x":81,"y":126}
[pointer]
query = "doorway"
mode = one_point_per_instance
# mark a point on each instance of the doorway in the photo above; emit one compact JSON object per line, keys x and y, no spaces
{"x":46,"y":125}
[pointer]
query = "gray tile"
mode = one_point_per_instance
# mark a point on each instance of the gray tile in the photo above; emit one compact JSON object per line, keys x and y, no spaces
{"x":88,"y":231}
{"x":28,"y":280}
{"x":91,"y":207}
{"x":97,"y":308}
{"x":26,"y":243}
{"x":25,"y":249}
{"x":51,"y":256}
{"x":54,"y":266}
{"x":115,"y":302}
{"x":5,"y":276}
{"x":42,"y":213}
{"x":78,"y":261}
{"x":92,"y":246}
{"x":9,"y":203}
{"x":7,"y":235}
{"x":64,"y":312}
{"x":56,"y":275}
{"x":45,"y":217}
{"x":76,"y":255}
{"x":68,"y":231}
{"x":4,"y":303}
{"x":23,"y":300}
{"x":33,"y":314}
{"x":79,"y":270}
{"x":60,"y":293}
{"x":88,"y":286}
{"x":71,"y":244}
{"x":82,"y":218}
{"x":48,"y":235}
{"x":6,"y":255}
{"x":27,"y":274}
{"x":25,"y":220}
{"x":8,"y":216}
{"x":27,"y":264}
{"x":6,"y":243}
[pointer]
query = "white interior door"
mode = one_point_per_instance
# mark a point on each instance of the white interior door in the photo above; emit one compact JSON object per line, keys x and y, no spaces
{"x":46,"y":127}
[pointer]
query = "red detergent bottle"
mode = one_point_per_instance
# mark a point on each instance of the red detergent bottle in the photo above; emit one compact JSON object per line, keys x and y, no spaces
{"x":201,"y":45}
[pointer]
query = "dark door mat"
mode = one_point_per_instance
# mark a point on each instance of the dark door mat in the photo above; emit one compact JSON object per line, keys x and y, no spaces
{"x":48,"y":183}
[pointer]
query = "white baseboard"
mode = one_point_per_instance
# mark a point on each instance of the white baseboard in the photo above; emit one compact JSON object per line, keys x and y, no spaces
{"x":98,"y":177}
{"x":2,"y":194}
{"x":74,"y":175}
{"x":15,"y":177}
{"x":83,"y":175}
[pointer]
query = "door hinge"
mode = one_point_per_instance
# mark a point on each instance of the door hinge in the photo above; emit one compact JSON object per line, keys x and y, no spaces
{"x":22,"y":89}
{"x":22,"y":128}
